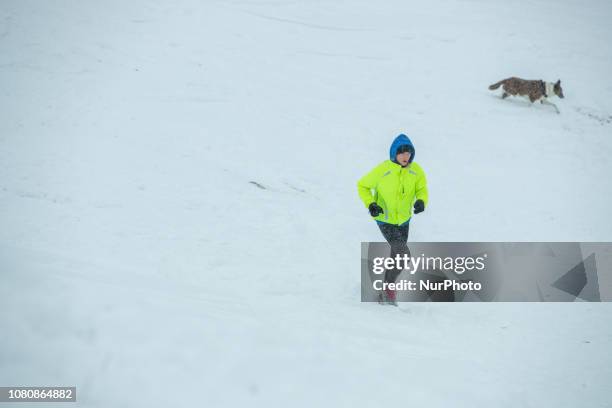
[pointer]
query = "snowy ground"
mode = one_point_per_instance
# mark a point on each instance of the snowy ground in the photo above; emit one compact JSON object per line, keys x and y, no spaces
{"x":140,"y":263}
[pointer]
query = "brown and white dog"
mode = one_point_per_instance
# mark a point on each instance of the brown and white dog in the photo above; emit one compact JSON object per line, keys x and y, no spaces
{"x":533,"y":89}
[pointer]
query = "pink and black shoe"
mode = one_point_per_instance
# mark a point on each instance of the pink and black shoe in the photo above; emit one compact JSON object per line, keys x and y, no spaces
{"x":387,"y":297}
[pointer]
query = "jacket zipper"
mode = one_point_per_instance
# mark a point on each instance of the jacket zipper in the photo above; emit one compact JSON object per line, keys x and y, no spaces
{"x":398,"y":198}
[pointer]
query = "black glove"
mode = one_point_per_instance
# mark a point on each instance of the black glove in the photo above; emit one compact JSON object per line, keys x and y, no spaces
{"x":375,"y":210}
{"x":419,"y":206}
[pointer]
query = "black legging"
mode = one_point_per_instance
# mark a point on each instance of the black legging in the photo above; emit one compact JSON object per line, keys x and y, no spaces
{"x":397,"y":237}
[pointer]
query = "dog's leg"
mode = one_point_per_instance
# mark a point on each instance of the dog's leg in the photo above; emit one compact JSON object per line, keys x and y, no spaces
{"x":504,"y":95}
{"x":547,"y":102}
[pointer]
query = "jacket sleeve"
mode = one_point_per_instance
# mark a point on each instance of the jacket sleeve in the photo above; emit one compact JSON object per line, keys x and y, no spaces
{"x":421,"y":187}
{"x":367,"y":183}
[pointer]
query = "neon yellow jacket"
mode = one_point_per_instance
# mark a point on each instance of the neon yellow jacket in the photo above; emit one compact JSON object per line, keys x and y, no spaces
{"x":395,"y":189}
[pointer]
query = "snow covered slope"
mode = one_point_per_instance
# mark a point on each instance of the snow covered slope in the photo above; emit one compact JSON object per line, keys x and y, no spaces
{"x":180,"y":221}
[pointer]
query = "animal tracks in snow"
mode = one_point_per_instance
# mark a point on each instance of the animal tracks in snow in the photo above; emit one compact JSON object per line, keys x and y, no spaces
{"x":602,"y":118}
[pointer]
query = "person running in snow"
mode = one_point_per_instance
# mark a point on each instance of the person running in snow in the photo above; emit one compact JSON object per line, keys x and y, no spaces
{"x":390,"y":192}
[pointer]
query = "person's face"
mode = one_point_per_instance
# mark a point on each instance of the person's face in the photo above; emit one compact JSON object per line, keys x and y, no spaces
{"x":403,"y":158}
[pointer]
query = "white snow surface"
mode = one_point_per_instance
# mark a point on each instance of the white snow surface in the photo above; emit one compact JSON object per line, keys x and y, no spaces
{"x":139,"y":263}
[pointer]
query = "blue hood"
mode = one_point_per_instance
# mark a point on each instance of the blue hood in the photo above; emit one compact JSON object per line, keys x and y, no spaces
{"x":400,"y":141}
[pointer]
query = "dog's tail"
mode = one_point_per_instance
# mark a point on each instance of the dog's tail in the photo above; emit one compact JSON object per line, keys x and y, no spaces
{"x":497,"y":84}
